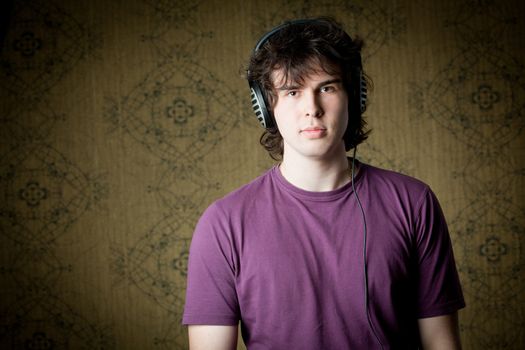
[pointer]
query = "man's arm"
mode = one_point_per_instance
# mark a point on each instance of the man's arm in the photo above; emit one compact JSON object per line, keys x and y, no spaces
{"x":204,"y":337}
{"x":440,"y":332}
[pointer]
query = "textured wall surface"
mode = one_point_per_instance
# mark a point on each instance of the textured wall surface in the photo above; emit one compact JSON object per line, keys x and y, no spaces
{"x":122,"y":120}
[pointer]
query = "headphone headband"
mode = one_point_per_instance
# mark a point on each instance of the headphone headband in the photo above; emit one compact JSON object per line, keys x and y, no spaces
{"x":294,"y":22}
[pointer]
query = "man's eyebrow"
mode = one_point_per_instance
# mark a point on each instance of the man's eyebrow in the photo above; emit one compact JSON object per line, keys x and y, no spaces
{"x":288,"y":87}
{"x":330,"y":81}
{"x":296,"y":86}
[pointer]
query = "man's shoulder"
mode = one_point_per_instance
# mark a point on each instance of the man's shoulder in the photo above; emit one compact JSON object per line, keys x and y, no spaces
{"x":399,"y":191}
{"x":394,"y":180}
{"x":247,"y":193}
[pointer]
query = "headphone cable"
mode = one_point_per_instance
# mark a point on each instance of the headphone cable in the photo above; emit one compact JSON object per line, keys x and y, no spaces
{"x":370,"y":324}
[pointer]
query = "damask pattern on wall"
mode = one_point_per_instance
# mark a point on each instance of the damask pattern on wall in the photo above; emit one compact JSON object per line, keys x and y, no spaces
{"x":121,"y":122}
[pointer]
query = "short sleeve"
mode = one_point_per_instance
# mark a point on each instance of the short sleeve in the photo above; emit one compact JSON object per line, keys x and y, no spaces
{"x":211,"y":297}
{"x":438,"y":286}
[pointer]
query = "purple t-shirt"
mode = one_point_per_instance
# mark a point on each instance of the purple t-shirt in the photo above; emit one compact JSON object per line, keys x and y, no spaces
{"x":288,"y":263}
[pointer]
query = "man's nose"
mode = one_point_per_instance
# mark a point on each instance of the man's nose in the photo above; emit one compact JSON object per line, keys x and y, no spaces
{"x":312,"y":105}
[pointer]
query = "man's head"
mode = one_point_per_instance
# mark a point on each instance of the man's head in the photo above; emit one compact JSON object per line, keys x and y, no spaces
{"x":296,"y":49}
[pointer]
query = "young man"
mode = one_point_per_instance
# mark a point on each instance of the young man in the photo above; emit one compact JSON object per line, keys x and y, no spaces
{"x":322,"y":251}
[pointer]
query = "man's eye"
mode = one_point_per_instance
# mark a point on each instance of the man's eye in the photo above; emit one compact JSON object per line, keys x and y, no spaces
{"x":292,"y":93}
{"x":327,"y":88}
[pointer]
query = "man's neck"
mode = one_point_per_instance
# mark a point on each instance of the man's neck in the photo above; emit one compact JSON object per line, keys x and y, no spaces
{"x":317,"y":175}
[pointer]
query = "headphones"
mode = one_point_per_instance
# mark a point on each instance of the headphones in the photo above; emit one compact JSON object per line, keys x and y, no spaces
{"x":260,"y":104}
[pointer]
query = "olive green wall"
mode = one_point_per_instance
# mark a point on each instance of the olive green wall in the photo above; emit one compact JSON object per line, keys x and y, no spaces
{"x":122,"y":120}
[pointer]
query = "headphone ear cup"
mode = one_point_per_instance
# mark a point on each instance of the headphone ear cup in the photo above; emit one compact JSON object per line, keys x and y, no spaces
{"x":259,"y":106}
{"x":363,"y":91}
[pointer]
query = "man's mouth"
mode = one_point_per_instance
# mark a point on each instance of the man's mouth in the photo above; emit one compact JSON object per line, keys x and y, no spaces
{"x":314,"y":132}
{"x":313,"y":129}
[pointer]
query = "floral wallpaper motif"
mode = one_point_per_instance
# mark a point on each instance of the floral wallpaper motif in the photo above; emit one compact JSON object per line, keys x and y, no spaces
{"x":122,"y":121}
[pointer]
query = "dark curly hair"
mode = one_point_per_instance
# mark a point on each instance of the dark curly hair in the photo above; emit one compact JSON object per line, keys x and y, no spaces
{"x":299,"y":48}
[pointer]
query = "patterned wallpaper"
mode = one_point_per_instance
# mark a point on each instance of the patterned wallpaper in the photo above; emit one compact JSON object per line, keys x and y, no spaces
{"x":122,"y":120}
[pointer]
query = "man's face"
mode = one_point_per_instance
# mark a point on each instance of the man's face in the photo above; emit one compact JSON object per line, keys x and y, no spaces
{"x":312,"y":116}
